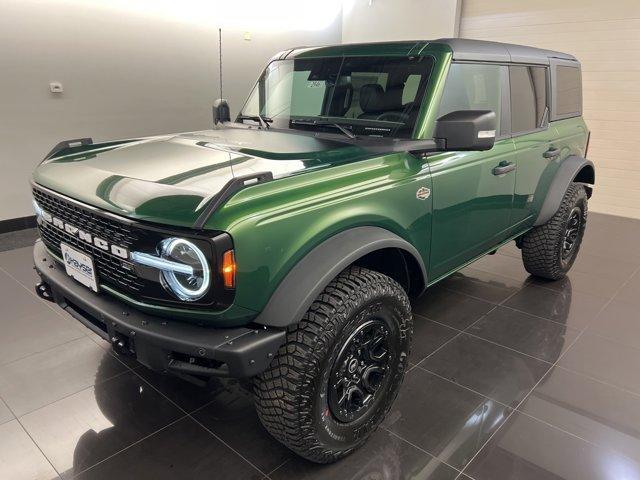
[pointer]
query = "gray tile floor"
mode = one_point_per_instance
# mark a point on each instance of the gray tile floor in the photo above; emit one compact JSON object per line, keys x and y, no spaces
{"x":511,"y":378}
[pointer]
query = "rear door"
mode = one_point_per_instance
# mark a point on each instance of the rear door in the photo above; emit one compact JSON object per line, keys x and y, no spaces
{"x":537,"y":151}
{"x":471,"y":199}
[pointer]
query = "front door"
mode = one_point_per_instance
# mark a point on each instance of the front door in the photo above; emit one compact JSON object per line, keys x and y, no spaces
{"x":472,"y":191}
{"x":471,"y":204}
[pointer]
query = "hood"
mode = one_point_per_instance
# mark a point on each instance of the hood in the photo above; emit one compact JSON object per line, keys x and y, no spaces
{"x":171,"y":179}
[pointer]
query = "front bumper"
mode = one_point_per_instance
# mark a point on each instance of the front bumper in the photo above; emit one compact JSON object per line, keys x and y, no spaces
{"x":161,"y":344}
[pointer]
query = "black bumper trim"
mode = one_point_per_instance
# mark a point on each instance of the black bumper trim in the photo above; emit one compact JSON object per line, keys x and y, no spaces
{"x":159,"y":343}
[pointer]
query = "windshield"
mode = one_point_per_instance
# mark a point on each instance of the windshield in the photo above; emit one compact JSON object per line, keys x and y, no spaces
{"x":375,"y":96}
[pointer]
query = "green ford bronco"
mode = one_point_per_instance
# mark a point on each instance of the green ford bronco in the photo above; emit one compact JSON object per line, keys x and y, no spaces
{"x":285,"y":245}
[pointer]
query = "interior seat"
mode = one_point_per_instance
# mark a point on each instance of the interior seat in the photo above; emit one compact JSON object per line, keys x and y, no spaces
{"x":374,"y":101}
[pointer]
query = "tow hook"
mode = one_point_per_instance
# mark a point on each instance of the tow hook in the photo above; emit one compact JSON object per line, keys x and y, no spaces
{"x":44,"y":291}
{"x":117,"y":341}
{"x":122,"y":344}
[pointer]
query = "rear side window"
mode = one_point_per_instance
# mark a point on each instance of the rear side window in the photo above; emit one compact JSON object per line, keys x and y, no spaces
{"x":472,"y":87}
{"x":568,"y":85}
{"x":528,"y":98}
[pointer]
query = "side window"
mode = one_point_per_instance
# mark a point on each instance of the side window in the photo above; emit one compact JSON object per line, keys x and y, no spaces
{"x":568,"y":99}
{"x":528,"y":98}
{"x":472,"y":87}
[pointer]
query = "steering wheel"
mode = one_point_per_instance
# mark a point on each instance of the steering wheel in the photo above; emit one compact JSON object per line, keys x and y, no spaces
{"x":393,"y":117}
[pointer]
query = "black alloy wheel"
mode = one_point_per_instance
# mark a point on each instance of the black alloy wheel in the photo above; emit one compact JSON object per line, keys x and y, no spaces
{"x":571,"y":234}
{"x":360,"y":371}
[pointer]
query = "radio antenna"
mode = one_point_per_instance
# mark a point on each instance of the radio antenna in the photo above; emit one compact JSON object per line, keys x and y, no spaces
{"x":220,"y":57}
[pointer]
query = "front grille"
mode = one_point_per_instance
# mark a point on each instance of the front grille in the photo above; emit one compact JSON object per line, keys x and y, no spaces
{"x":111,"y":269}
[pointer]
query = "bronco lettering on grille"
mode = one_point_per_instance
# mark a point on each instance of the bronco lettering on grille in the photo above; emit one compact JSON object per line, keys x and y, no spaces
{"x":86,"y":237}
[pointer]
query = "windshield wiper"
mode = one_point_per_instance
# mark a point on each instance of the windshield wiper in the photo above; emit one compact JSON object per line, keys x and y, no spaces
{"x":263,"y":121}
{"x":323,"y":123}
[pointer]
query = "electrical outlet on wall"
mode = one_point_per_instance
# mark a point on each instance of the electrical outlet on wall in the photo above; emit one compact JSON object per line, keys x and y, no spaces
{"x":56,"y":87}
{"x":247,"y":36}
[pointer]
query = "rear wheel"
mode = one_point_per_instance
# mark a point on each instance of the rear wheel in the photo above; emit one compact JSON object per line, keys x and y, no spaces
{"x":335,"y":378}
{"x":549,"y":250}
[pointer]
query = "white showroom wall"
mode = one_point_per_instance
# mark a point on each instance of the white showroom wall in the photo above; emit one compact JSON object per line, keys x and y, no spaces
{"x":382,"y":20}
{"x":131,"y":68}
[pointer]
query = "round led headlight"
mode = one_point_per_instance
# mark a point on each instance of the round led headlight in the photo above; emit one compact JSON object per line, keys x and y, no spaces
{"x":186,"y":285}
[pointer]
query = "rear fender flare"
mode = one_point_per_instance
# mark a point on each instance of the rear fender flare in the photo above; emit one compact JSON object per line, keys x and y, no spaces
{"x":306,"y":280}
{"x":566,"y":174}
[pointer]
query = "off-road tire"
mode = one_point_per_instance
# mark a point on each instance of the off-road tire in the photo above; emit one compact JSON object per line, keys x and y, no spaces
{"x":542,"y":247}
{"x":292,"y":395}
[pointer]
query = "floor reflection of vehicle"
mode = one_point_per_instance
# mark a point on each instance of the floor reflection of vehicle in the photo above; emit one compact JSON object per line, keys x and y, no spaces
{"x":543,"y":344}
{"x":127,"y":409}
{"x":553,"y":346}
{"x":120,"y":401}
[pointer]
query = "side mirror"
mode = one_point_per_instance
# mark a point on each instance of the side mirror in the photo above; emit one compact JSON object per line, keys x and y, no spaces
{"x":466,"y":130}
{"x":221,"y":112}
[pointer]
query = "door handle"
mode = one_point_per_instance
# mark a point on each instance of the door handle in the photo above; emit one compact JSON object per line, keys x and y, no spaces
{"x":504,"y":168}
{"x":551,"y":153}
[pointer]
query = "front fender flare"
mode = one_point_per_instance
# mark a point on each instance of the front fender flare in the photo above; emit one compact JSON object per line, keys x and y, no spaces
{"x":314,"y":272}
{"x":567,"y":171}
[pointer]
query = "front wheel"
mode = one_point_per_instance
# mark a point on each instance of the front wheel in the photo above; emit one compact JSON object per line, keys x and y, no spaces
{"x":335,"y":378}
{"x":549,"y":250}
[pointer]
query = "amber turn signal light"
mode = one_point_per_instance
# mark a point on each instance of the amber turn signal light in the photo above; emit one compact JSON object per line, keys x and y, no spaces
{"x":229,"y":269}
